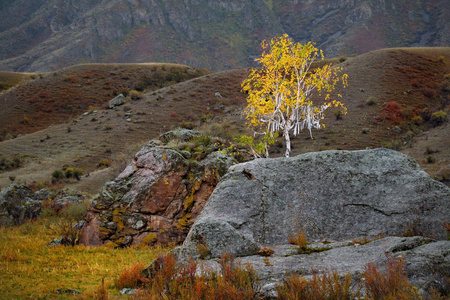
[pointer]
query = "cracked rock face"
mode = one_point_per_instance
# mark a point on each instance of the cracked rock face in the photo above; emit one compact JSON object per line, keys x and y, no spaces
{"x":334,"y":194}
{"x":155,"y":199}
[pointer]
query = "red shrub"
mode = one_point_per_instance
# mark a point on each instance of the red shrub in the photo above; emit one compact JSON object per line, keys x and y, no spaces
{"x":392,"y":111}
{"x":391,"y":284}
{"x":428,"y":92}
{"x":131,"y":277}
{"x":43,"y":94}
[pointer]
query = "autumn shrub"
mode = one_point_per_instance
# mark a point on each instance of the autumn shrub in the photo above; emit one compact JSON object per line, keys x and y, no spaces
{"x":438,"y":118}
{"x":431,"y":159}
{"x":416,"y":120}
{"x":394,"y":145}
{"x":71,"y":78}
{"x":428,"y":92}
{"x":390,"y":284}
{"x":323,"y":285}
{"x":190,"y":280}
{"x":8,"y":163}
{"x":71,"y":172}
{"x":298,"y":238}
{"x":338,"y":114}
{"x":131,"y":277}
{"x":371,"y":101}
{"x":135,"y":95}
{"x":266,"y":252}
{"x":64,"y":227}
{"x":75,"y":211}
{"x":104,"y":163}
{"x":202,"y":140}
{"x":57,"y":175}
{"x":187,"y":125}
{"x":392,"y":112}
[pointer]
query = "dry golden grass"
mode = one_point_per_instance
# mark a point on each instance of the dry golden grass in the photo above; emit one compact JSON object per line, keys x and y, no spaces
{"x":32,"y":270}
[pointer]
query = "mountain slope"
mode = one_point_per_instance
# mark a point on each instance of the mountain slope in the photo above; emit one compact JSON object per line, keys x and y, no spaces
{"x":217,"y":35}
{"x":383,"y":76}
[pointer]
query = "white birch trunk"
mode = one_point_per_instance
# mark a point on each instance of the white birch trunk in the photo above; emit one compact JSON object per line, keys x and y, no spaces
{"x":288,"y":143}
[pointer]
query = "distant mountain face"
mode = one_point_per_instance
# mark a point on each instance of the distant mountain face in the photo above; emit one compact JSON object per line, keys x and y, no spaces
{"x":43,"y":35}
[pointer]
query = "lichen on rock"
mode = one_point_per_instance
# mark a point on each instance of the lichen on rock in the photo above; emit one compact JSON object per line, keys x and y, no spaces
{"x":157,"y":197}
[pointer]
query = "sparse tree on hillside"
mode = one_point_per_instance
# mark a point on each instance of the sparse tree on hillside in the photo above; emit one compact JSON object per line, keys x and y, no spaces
{"x":280,"y":92}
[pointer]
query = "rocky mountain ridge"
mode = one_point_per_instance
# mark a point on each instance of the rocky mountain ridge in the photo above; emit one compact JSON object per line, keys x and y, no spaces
{"x":218,"y":35}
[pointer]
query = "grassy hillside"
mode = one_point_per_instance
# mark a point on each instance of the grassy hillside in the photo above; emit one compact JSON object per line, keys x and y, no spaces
{"x":51,"y":98}
{"x":415,"y":79}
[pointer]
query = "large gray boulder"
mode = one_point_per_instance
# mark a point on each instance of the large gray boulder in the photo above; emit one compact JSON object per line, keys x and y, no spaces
{"x":17,"y":204}
{"x":334,"y":195}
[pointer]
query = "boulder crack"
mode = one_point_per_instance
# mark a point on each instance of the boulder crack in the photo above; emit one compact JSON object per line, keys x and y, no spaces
{"x":388,"y":214}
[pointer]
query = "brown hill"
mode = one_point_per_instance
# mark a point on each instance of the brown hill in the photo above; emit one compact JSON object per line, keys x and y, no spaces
{"x":416,"y":79}
{"x":49,"y":98}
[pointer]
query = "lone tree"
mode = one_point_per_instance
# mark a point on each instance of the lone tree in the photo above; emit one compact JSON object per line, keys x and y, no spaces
{"x":280,"y":92}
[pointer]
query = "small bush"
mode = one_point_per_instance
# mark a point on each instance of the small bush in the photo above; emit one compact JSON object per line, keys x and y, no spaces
{"x":187,"y":125}
{"x":25,"y":121}
{"x":131,"y":277}
{"x":75,"y":211}
{"x":206,"y":117}
{"x":298,"y":238}
{"x":182,"y":281}
{"x":71,"y":78}
{"x":73,"y":173}
{"x":438,"y":118}
{"x":431,"y":159}
{"x":428,"y":92}
{"x":338,"y":114}
{"x":392,"y":284}
{"x":104,"y":163}
{"x":68,"y":172}
{"x":266,"y":252}
{"x":202,"y":140}
{"x":57,"y":175}
{"x":394,"y":145}
{"x":429,"y":150}
{"x":325,"y":285}
{"x":391,"y":112}
{"x":7,"y":164}
{"x":416,"y":120}
{"x":135,"y":95}
{"x":371,"y":101}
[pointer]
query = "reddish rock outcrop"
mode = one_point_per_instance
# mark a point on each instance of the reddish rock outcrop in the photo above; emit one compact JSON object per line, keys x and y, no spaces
{"x":155,"y":199}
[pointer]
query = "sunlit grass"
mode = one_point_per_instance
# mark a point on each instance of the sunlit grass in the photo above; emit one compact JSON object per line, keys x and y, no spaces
{"x":29,"y":269}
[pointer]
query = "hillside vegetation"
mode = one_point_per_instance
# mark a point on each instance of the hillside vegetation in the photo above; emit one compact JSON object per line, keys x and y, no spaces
{"x":392,"y":99}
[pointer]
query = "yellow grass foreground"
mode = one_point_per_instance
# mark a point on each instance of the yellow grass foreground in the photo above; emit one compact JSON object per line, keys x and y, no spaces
{"x":29,"y":269}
